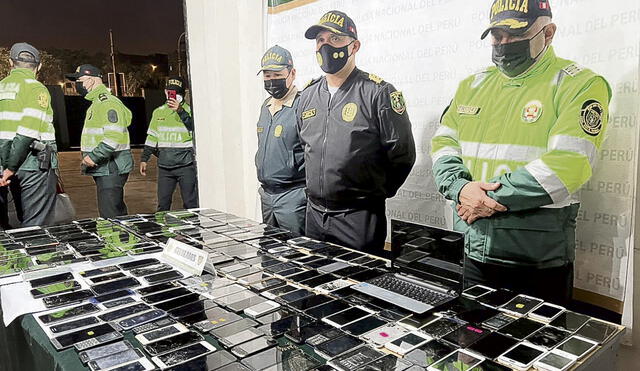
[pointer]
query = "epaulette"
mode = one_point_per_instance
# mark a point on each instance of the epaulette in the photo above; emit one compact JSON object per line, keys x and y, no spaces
{"x":375,"y":78}
{"x":573,"y":69}
{"x":103,"y":97}
{"x":311,"y":82}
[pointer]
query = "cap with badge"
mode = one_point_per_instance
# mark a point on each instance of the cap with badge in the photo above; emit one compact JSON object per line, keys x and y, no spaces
{"x":176,"y":83}
{"x":334,"y":21}
{"x":19,"y":48}
{"x":276,"y":58}
{"x":84,"y":70}
{"x":516,"y":16}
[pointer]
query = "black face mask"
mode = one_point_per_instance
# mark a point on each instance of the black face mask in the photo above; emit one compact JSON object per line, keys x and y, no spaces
{"x":332,"y":59}
{"x":514,"y":58}
{"x":80,"y":89}
{"x":277,"y":88}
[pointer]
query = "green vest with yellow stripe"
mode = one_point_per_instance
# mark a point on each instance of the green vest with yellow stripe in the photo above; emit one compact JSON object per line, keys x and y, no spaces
{"x":537,"y":135}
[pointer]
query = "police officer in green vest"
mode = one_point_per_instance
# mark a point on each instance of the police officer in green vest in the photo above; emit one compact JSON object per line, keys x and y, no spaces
{"x":27,"y":139}
{"x":170,"y":138}
{"x":106,"y":155}
{"x":280,"y":157}
{"x":512,"y":151}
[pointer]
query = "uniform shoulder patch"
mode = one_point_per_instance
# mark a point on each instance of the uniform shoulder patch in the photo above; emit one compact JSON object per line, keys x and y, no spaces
{"x":112,"y":116}
{"x":375,"y":78}
{"x":573,"y":69}
{"x":591,"y":116}
{"x":397,"y":102}
{"x":103,"y":97}
{"x":311,"y":82}
{"x":43,"y":100}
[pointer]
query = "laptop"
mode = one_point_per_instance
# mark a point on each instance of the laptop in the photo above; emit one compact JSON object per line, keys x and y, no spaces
{"x":427,"y":268}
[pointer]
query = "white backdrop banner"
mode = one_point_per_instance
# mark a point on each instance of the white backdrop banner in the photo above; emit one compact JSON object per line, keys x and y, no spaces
{"x":425,"y":47}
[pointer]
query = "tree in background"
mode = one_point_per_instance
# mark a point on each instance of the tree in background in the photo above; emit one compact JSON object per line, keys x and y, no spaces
{"x":51,"y":73}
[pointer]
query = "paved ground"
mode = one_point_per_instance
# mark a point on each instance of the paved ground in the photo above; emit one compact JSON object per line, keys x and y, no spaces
{"x":140,"y":192}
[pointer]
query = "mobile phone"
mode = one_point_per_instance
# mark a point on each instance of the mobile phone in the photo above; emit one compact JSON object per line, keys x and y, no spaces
{"x":477,"y":291}
{"x":45,"y":281}
{"x":241,"y":273}
{"x":300,"y":334}
{"x":119,"y":302}
{"x":355,"y":358}
{"x":576,"y":347}
{"x":161,"y":333}
{"x":196,"y":309}
{"x":212,"y":319}
{"x":162,"y":277}
{"x":183,"y":355}
{"x":73,"y":325}
{"x":68,"y":313}
{"x":277,"y":315}
{"x":55,"y":288}
{"x":498,"y":321}
{"x":114,"y":360}
{"x":212,"y":361}
{"x":466,"y":335}
{"x":522,"y":356}
{"x":145,"y":271}
{"x":326,"y":309}
{"x":363,"y":325}
{"x":281,"y":326}
{"x":408,"y":342}
{"x":274,"y":293}
{"x":380,"y":336}
{"x":166,"y":295}
{"x":233,"y":298}
{"x":115,"y":285}
{"x":493,"y":345}
{"x":489,"y":365}
{"x":294,"y":296}
{"x":319,"y":338}
{"x":252,"y":346}
{"x":171,"y":94}
{"x":233,"y":328}
{"x":521,"y":328}
{"x":546,"y":312}
{"x":570,"y":321}
{"x":459,"y":359}
{"x":597,"y":331}
{"x":141,"y":319}
{"x":319,"y":280}
{"x":67,"y":340}
{"x":143,"y":364}
{"x":66,"y":299}
{"x":427,"y":354}
{"x":338,"y":346}
{"x":548,"y":337}
{"x":267,"y":284}
{"x":442,"y":327}
{"x":240,"y":306}
{"x":346,"y":317}
{"x":99,"y":271}
{"x":171,"y":343}
{"x":554,"y":361}
{"x":521,"y":305}
{"x":386,"y":363}
{"x":309,"y":302}
{"x":260,"y":309}
{"x":220,"y":292}
{"x":124,"y":312}
{"x":497,"y":298}
{"x":104,"y":351}
{"x":178,"y":302}
{"x":332,"y":286}
{"x":107,"y":277}
{"x":278,"y":358}
{"x":138,"y":264}
{"x":240,"y":337}
{"x":156,"y":288}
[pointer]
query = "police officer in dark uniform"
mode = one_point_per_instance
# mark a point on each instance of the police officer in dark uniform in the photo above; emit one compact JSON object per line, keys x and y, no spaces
{"x":280,"y":157}
{"x":359,"y":148}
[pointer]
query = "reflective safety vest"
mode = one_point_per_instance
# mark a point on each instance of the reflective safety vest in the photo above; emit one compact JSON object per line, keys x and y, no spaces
{"x":537,"y":135}
{"x":169,"y":138}
{"x":105,"y":137}
{"x":25,"y":109}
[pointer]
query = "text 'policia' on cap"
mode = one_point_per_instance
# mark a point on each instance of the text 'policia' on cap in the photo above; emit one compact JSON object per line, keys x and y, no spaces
{"x":516,"y":16}
{"x":334,"y":21}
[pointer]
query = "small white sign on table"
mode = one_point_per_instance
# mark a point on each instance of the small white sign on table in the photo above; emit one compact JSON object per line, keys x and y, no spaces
{"x":185,"y":257}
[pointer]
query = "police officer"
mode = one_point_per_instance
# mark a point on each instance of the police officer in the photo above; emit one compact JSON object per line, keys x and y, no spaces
{"x":106,"y":155}
{"x":27,"y":139}
{"x":280,"y":157}
{"x":530,"y":127}
{"x":357,"y":137}
{"x":170,"y":138}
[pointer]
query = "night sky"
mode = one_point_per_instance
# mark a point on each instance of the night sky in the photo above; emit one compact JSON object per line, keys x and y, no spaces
{"x":139,"y":26}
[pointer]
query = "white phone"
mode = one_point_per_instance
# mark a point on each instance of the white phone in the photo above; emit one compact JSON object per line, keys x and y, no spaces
{"x":347,"y":316}
{"x":522,"y":356}
{"x":161,"y":333}
{"x":143,"y":364}
{"x":477,"y":291}
{"x":261,"y":309}
{"x":329,"y":287}
{"x":380,"y":336}
{"x":408,"y":342}
{"x":554,"y":361}
{"x":546,"y":312}
{"x":575,"y":347}
{"x":458,"y":360}
{"x":183,"y":355}
{"x":521,"y":305}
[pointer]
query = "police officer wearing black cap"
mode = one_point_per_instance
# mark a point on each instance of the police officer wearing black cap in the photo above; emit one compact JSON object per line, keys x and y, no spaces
{"x":170,"y":138}
{"x":359,"y":148}
{"x":280,"y":157}
{"x":106,"y":152}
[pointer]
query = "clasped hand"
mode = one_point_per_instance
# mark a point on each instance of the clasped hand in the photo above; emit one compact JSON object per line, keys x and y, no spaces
{"x":475,"y":204}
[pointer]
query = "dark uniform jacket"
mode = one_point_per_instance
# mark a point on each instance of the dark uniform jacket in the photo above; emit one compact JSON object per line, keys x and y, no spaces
{"x":358,"y":144}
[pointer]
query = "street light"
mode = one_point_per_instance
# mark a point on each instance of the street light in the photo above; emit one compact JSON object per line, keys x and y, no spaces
{"x":153,"y":68}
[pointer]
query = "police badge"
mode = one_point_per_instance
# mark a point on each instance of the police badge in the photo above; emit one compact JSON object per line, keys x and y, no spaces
{"x":397,"y":102}
{"x":591,"y":117}
{"x":532,"y":111}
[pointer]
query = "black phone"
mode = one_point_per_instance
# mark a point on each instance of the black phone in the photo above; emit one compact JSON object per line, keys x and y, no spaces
{"x":66,"y":299}
{"x":124,"y":312}
{"x":570,"y":321}
{"x":363,"y":325}
{"x":466,"y":335}
{"x":427,"y":354}
{"x":162,"y":277}
{"x":111,"y":286}
{"x":68,"y":326}
{"x":156,"y":288}
{"x":493,"y":345}
{"x":521,"y":328}
{"x":326,"y":309}
{"x":174,"y":342}
{"x":67,"y":340}
{"x":45,"y":281}
{"x":309,"y":302}
{"x":301,"y":334}
{"x":68,"y":313}
{"x":335,"y":347}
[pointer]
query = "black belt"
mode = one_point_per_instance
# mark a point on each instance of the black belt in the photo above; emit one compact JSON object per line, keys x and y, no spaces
{"x":283,"y":187}
{"x":352,"y":204}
